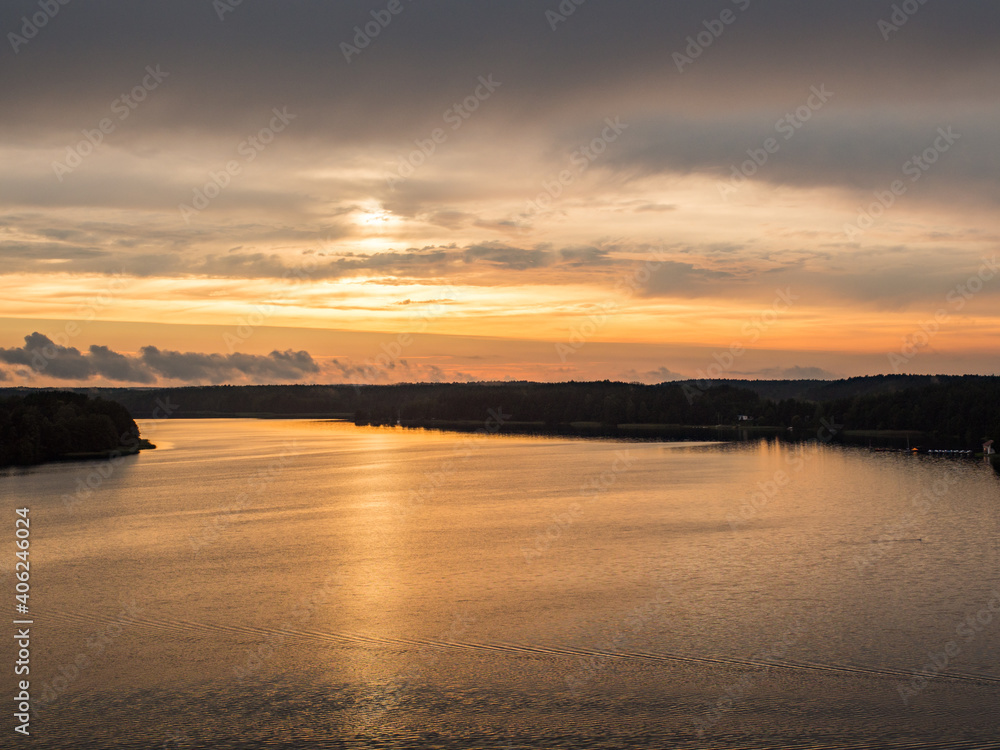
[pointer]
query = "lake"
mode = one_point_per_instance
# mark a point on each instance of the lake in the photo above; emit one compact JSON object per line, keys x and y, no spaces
{"x":291,"y":583}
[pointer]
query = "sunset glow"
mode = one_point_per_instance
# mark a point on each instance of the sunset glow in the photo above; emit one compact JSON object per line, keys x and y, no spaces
{"x":817,"y":214}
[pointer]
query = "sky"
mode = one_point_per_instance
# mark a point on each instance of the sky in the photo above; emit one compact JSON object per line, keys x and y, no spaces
{"x":421,"y":190}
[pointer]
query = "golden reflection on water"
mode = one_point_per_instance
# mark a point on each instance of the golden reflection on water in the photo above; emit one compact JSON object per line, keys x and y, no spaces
{"x":318,"y":556}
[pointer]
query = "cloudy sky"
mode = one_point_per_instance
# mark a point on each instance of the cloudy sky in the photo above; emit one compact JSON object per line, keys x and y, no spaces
{"x":427,"y":190}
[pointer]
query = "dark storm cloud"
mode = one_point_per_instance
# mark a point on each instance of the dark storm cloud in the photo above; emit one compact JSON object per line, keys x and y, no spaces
{"x":45,"y":357}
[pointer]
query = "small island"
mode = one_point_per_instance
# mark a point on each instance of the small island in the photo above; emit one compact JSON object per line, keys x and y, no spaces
{"x":43,"y":426}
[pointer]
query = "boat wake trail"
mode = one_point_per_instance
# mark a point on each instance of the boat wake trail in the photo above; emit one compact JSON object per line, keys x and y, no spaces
{"x":251,"y":633}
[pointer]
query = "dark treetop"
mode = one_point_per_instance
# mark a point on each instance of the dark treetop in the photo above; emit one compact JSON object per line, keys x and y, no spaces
{"x":51,"y":425}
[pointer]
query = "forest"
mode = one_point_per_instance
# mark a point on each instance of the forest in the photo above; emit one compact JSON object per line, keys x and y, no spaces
{"x":939,"y":411}
{"x":45,"y":425}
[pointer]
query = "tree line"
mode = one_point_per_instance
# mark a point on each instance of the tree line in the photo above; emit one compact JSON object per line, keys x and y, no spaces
{"x":949,"y":411}
{"x":46,"y":425}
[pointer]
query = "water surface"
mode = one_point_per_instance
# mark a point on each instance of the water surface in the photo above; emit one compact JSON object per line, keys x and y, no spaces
{"x":313,"y":584}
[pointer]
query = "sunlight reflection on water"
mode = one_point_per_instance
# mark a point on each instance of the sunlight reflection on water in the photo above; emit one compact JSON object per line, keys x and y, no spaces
{"x":313,"y":584}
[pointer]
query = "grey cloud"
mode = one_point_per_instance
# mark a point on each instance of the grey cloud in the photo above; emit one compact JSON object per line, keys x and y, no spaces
{"x":685,"y":279}
{"x":872,"y":281}
{"x":882,"y":277}
{"x":115,"y":366}
{"x":450,"y":219}
{"x":225,"y":76}
{"x":413,"y":262}
{"x":48,"y":251}
{"x":585,"y":256}
{"x":606,"y":60}
{"x":99,"y":184}
{"x":504,"y":256}
{"x":387,"y":370}
{"x":877,"y":278}
{"x":836,"y":147}
{"x":44,"y":357}
{"x":217,"y":368}
{"x":350,"y":372}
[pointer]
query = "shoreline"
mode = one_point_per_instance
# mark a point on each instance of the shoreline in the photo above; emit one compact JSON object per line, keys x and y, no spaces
{"x":105,"y":455}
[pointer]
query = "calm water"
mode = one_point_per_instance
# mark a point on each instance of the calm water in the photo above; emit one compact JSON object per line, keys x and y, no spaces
{"x":306,"y":584}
